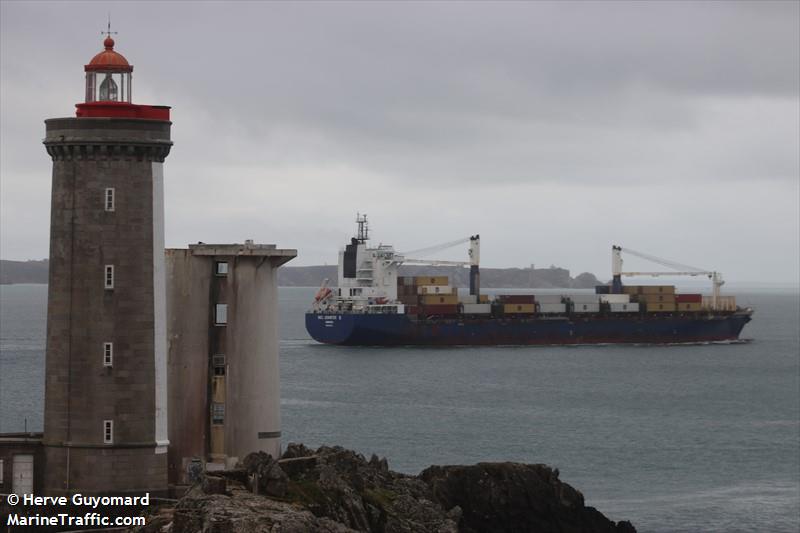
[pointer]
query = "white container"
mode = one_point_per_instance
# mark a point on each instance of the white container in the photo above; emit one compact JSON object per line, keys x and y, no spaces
{"x":549,"y":308}
{"x":585,"y":307}
{"x":725,"y":303}
{"x":435,"y":289}
{"x":615,"y":298}
{"x":584,"y":298}
{"x":624,"y":307}
{"x":468,"y":299}
{"x":477,"y":309}
{"x":548,"y":298}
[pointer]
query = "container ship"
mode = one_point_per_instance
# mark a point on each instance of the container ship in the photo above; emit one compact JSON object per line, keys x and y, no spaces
{"x":374,"y":306}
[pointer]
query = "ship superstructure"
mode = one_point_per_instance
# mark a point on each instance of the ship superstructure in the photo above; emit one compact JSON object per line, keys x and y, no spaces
{"x":368,"y":276}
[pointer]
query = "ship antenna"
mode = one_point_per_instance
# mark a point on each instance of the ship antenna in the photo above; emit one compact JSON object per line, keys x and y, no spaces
{"x":363,"y":228}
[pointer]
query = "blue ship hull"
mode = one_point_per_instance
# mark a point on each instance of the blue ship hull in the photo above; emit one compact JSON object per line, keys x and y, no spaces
{"x":398,"y":330}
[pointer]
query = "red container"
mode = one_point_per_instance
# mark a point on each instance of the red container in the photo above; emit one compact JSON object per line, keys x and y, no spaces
{"x":689,"y":298}
{"x":516,"y":298}
{"x":442,"y":309}
{"x":412,"y":310}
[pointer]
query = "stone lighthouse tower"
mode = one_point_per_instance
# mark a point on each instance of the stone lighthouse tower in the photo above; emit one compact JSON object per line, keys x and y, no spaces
{"x":105,"y":424}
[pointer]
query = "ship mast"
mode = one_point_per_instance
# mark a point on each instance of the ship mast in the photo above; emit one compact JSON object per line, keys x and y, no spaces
{"x":363,"y":228}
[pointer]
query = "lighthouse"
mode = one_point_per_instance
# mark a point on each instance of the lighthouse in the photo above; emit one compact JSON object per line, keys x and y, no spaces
{"x":105,"y":423}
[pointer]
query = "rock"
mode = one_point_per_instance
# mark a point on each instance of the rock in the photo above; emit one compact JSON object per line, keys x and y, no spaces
{"x":335,"y":490}
{"x":244,"y":512}
{"x":214,"y":485}
{"x":500,"y":497}
{"x":266,"y":474}
{"x":379,"y":463}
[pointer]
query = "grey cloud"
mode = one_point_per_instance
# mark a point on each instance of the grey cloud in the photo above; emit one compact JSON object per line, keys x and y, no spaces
{"x":333,"y":105}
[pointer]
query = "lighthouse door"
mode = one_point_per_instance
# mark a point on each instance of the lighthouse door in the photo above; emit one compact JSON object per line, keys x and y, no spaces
{"x":22,"y":471}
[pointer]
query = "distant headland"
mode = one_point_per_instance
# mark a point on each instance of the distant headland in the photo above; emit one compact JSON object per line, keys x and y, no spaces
{"x":14,"y":272}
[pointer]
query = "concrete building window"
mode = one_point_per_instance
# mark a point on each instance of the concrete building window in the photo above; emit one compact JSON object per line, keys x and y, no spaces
{"x":217,"y":413}
{"x":218,"y":362}
{"x":108,"y":431}
{"x":109,"y":279}
{"x":1,"y":471}
{"x":221,"y":314}
{"x":221,"y":268}
{"x":108,"y":354}
{"x":109,"y":199}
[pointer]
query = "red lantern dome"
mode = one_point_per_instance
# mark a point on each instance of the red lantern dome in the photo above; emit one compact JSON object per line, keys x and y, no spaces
{"x":109,"y":60}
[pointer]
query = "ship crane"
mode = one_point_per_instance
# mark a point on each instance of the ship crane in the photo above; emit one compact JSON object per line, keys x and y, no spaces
{"x":679,"y":270}
{"x":473,"y":263}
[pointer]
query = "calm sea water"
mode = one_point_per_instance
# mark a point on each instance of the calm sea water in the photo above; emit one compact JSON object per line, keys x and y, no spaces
{"x":673,"y":438}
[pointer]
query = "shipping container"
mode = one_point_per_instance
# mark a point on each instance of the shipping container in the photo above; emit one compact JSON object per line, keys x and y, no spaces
{"x":484,"y":298}
{"x":624,"y":307}
{"x":584,"y":298}
{"x":439,"y":299}
{"x":435,"y":289}
{"x":549,"y":298}
{"x":631,"y":289}
{"x":689,"y":306}
{"x":513,"y":309}
{"x":602,"y":289}
{"x":615,"y":298}
{"x":657,"y":289}
{"x":431,"y":280}
{"x":585,"y":307}
{"x":404,"y":290}
{"x":468,"y":299}
{"x":724,"y":303}
{"x":477,"y":309}
{"x":656,"y":298}
{"x":689,"y":298}
{"x":660,"y":307}
{"x":412,"y":309}
{"x":551,"y":308}
{"x":516,"y":298}
{"x":439,"y":309}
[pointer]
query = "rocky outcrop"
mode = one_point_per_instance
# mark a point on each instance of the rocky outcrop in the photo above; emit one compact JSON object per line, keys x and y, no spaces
{"x":332,"y":489}
{"x":500,"y":497}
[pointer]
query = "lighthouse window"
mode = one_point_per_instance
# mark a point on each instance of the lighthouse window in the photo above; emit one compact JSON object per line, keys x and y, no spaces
{"x":109,"y":279}
{"x":108,"y":89}
{"x":218,"y":362}
{"x":217,"y":413}
{"x":221,"y":314}
{"x":108,"y":353}
{"x":108,"y":431}
{"x":109,"y":199}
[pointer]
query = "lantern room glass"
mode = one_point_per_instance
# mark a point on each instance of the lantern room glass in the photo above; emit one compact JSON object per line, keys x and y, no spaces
{"x":108,"y":86}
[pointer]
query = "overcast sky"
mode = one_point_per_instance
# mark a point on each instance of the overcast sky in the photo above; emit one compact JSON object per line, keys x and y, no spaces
{"x":552,"y":129}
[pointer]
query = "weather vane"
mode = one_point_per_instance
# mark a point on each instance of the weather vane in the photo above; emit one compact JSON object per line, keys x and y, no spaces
{"x":108,"y":31}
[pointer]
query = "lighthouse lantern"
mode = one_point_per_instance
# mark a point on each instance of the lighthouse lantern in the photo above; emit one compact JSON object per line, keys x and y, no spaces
{"x":109,"y":88}
{"x":108,"y":76}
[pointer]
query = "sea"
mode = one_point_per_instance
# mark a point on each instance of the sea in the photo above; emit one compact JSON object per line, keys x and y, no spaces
{"x":684,"y":438}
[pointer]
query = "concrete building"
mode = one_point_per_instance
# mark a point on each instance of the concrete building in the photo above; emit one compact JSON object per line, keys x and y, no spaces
{"x":105,"y":423}
{"x":224,"y":394}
